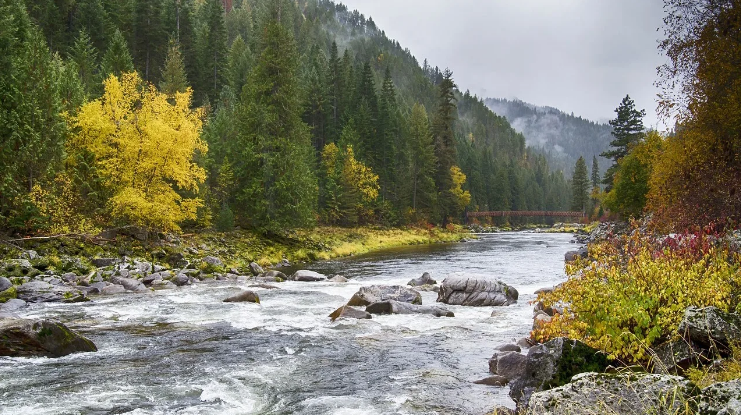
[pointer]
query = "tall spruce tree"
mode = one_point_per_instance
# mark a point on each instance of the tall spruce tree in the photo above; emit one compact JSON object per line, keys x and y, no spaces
{"x":387,"y":135}
{"x":445,"y":151}
{"x":173,"y":73}
{"x":85,"y":57}
{"x":239,"y":64}
{"x":627,"y":130}
{"x":595,"y":172}
{"x":213,"y":51}
{"x":91,"y":16}
{"x":421,"y":164}
{"x":580,"y":186}
{"x":150,"y":39}
{"x":275,"y":175}
{"x":117,"y":59}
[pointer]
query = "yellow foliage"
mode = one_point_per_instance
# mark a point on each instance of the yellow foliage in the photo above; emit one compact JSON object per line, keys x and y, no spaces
{"x":360,"y":176}
{"x":59,"y":202}
{"x":462,"y":197}
{"x":143,"y":145}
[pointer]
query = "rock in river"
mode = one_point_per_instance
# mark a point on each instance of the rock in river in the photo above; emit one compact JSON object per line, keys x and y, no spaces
{"x":395,"y":307}
{"x":43,"y":292}
{"x":307,"y":276}
{"x":425,"y":279}
{"x":27,"y":338}
{"x":377,"y":293}
{"x":244,"y":297}
{"x":476,"y":291}
{"x":349,"y":312}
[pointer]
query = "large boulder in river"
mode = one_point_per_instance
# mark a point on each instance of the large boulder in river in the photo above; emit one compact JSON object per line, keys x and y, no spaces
{"x":130,"y":284}
{"x":574,"y":255}
{"x":511,"y":364}
{"x":710,"y":327}
{"x":43,"y":292}
{"x":256,"y":269}
{"x":272,"y":276}
{"x":425,"y":279}
{"x":476,"y":291}
{"x":349,"y":312}
{"x":395,"y":307}
{"x":630,"y":393}
{"x":244,"y":297}
{"x":307,"y":276}
{"x":552,"y":364}
{"x":28,"y":338}
{"x":376,"y":293}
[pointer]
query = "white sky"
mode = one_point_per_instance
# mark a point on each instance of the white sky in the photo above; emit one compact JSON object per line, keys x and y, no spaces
{"x":580,"y":56}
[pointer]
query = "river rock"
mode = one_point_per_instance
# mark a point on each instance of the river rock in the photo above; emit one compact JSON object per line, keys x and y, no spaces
{"x":475,"y":291}
{"x":377,"y":293}
{"x":349,"y":312}
{"x":553,"y":364}
{"x":112,"y":289}
{"x":634,"y":393}
{"x":511,"y":365}
{"x":574,"y":255}
{"x":256,"y":269}
{"x":338,"y":278}
{"x":28,"y":338}
{"x":546,"y":290}
{"x":265,"y":286}
{"x":12,"y":305}
{"x":244,"y":297}
{"x":541,"y":319}
{"x":43,"y":292}
{"x":425,"y":279}
{"x":503,"y":410}
{"x":163,"y":284}
{"x":525,"y":343}
{"x":509,"y":348}
{"x":272,"y":276}
{"x":212,"y":261}
{"x":676,"y":356}
{"x":722,"y":398}
{"x":104,"y":262}
{"x":396,"y":307}
{"x":710,"y":327}
{"x":307,"y":276}
{"x":495,"y":380}
{"x":5,"y":284}
{"x":130,"y":284}
{"x":181,"y":280}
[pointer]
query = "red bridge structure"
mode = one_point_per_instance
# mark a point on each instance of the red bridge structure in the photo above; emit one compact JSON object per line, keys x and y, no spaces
{"x":524,"y":213}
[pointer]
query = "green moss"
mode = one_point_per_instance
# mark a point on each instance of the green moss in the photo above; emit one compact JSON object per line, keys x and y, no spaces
{"x":8,"y":294}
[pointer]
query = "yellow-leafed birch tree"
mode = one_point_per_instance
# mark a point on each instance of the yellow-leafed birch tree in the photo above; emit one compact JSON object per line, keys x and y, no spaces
{"x":144,"y":146}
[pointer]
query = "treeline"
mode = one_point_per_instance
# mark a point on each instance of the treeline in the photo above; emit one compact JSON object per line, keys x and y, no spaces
{"x":270,"y":115}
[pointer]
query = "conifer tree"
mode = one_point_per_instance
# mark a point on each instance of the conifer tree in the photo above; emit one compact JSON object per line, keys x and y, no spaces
{"x":213,"y":51}
{"x":445,"y":152}
{"x":85,"y":57}
{"x":117,"y":59}
{"x":150,"y":41}
{"x":595,"y":172}
{"x":627,"y":130}
{"x":91,"y":16}
{"x":387,"y":134}
{"x":316,"y":105}
{"x":422,"y":163}
{"x":239,"y":65}
{"x":278,"y":186}
{"x":580,"y":186}
{"x":173,"y":73}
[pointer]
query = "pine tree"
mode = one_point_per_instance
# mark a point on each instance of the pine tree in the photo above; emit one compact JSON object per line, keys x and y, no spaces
{"x":445,"y":152}
{"x":173,"y":73}
{"x":316,"y":105}
{"x":117,"y":59}
{"x":213,"y":51}
{"x":92,"y":17}
{"x":595,"y":172}
{"x":422,"y":163}
{"x":580,"y":186}
{"x":627,"y":130}
{"x":278,"y":186}
{"x":85,"y":57}
{"x":178,"y":24}
{"x":150,"y":41}
{"x":387,"y":134}
{"x":239,"y":65}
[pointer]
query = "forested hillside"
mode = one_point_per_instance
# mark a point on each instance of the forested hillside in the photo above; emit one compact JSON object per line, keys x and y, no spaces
{"x":563,"y":137}
{"x":269,"y":114}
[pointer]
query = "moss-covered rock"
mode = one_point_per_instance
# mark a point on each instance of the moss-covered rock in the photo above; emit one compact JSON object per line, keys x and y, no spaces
{"x":8,"y":294}
{"x":40,"y":338}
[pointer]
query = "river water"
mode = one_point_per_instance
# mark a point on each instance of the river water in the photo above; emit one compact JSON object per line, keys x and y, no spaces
{"x":184,"y":351}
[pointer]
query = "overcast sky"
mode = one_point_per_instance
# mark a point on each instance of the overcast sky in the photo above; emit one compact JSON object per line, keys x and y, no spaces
{"x":580,"y":56}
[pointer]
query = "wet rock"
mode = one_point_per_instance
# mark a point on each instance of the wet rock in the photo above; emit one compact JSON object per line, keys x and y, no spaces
{"x":256,"y":269}
{"x":425,"y":279}
{"x":349,"y":312}
{"x":475,"y":291}
{"x":130,"y":284}
{"x":5,"y":284}
{"x":265,"y":286}
{"x":676,"y":356}
{"x":511,"y":365}
{"x":541,"y":319}
{"x":574,"y":255}
{"x":378,"y":293}
{"x":12,"y":305}
{"x":70,"y":277}
{"x":213,"y":261}
{"x":43,"y":292}
{"x":396,"y":307}
{"x":430,"y":288}
{"x":710,"y":327}
{"x":632,"y":393}
{"x":27,"y":338}
{"x":149,"y":279}
{"x":307,"y":276}
{"x":163,"y":284}
{"x":142,"y":267}
{"x":338,"y":278}
{"x":495,"y":380}
{"x":181,"y":280}
{"x":722,"y":398}
{"x":112,"y":289}
{"x":525,"y":343}
{"x":272,"y":276}
{"x":509,"y":348}
{"x":104,"y":262}
{"x":244,"y":297}
{"x":503,"y":410}
{"x":552,"y":364}
{"x":546,"y":290}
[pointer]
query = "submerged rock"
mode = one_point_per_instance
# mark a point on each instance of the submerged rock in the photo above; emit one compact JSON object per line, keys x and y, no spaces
{"x":307,"y":276}
{"x":349,"y":312}
{"x":476,"y":291}
{"x":28,"y":338}
{"x":338,"y":278}
{"x":396,"y":307}
{"x":425,"y":279}
{"x":244,"y":297}
{"x":130,"y":284}
{"x":272,"y":276}
{"x":494,"y":380}
{"x":43,"y":292}
{"x":378,"y":293}
{"x":633,"y":393}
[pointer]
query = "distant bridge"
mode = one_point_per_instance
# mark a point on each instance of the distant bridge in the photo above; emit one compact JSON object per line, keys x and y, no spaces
{"x":524,"y":213}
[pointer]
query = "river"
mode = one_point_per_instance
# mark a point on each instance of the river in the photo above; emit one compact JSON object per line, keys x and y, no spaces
{"x":184,"y":351}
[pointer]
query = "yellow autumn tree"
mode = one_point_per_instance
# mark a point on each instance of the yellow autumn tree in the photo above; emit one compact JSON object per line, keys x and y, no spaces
{"x":144,"y":147}
{"x":462,"y":197}
{"x":350,"y":187}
